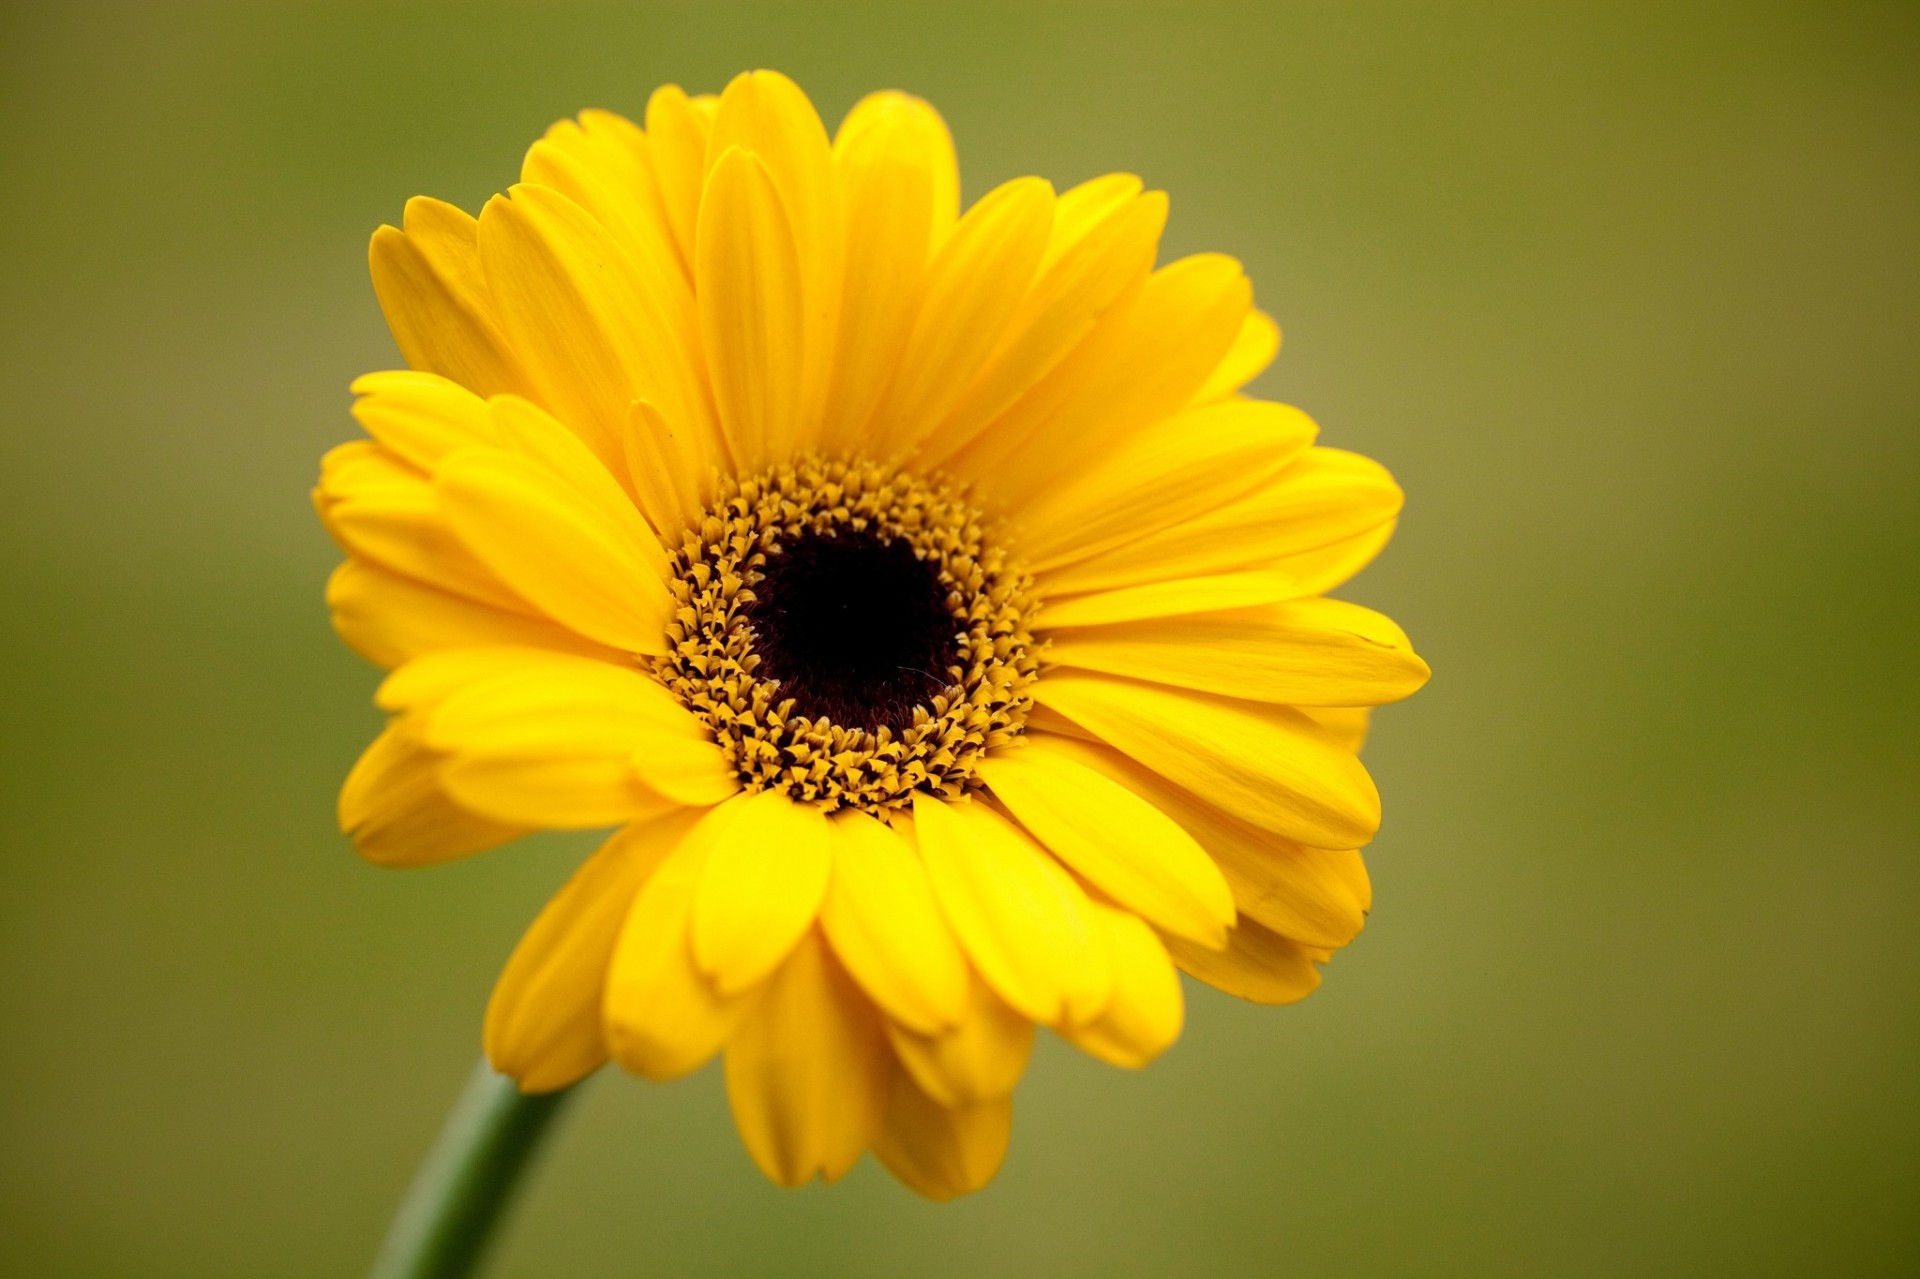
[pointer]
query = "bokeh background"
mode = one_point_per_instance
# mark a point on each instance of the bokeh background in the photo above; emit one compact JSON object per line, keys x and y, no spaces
{"x":1628,"y":295}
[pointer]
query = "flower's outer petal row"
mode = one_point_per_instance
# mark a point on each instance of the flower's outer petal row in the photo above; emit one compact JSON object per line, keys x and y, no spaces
{"x":980,"y":1059}
{"x":1344,"y":726}
{"x":1258,"y":965}
{"x":1316,"y":896}
{"x":1322,"y":569}
{"x":1101,"y":246}
{"x":390,"y":620}
{"x":602,"y":162}
{"x":1143,"y":361}
{"x":597,"y":327}
{"x":543,"y":1025}
{"x":973,"y":287}
{"x":575,"y":559}
{"x":1114,"y":839}
{"x":1327,"y":496}
{"x":884,"y":924}
{"x":750,"y":285}
{"x":677,"y":128}
{"x":942,"y":1151}
{"x":383,"y":510}
{"x":398,"y":815}
{"x":768,"y":116}
{"x":664,"y":1019}
{"x":899,"y":185}
{"x":422,"y":417}
{"x":1268,"y":765}
{"x":808,"y":1071}
{"x":434,"y":294}
{"x":1310,"y":652}
{"x":1177,"y":598}
{"x":1144,"y":1016}
{"x":1022,"y":920}
{"x":1174,"y":470}
{"x":1252,"y":351}
{"x":761,"y":889}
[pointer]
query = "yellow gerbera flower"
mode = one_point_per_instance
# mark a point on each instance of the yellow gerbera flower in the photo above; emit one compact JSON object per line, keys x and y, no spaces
{"x":914,"y":590}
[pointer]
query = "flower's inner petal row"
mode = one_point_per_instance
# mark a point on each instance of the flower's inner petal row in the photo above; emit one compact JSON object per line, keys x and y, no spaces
{"x":771,"y":736}
{"x":808,"y":1072}
{"x":543,"y":1023}
{"x":899,"y":190}
{"x":1145,"y":1014}
{"x":761,"y":890}
{"x":1177,"y":598}
{"x":1333,"y":565}
{"x":884,"y":924}
{"x":978,"y":1060}
{"x":941,"y":1151}
{"x":1312,"y":652}
{"x":398,"y":814}
{"x":433,"y":291}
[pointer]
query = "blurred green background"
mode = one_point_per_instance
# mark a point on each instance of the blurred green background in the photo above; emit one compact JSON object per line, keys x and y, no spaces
{"x":1627,"y":295}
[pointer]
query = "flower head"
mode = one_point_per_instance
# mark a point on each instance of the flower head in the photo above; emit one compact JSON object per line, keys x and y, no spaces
{"x":913,"y":590}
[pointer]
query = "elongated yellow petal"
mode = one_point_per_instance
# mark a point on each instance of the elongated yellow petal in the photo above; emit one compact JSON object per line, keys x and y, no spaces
{"x":1144,"y":1016}
{"x":1314,"y":895}
{"x":398,"y":815}
{"x":1266,"y":764}
{"x":389,"y":619}
{"x":761,"y":890}
{"x":594,"y":574}
{"x":1119,"y":842}
{"x":1344,"y":726}
{"x":942,"y":1151}
{"x":752,"y":312}
{"x":677,"y":140}
{"x":980,"y":1059}
{"x":421,"y":416}
{"x":808,"y":1071}
{"x":663,"y":1018}
{"x":430,"y":679}
{"x":1020,"y":917}
{"x":885,"y":926}
{"x":597,"y":326}
{"x":1324,"y":568}
{"x":893,"y":164}
{"x":543,"y":1025}
{"x":1325,"y":497}
{"x":673,"y":476}
{"x":1312,"y":652}
{"x":973,"y":287}
{"x":1258,"y":965}
{"x":603,"y":164}
{"x":1169,"y":472}
{"x":1169,"y":599}
{"x":432,"y":290}
{"x":1252,"y":351}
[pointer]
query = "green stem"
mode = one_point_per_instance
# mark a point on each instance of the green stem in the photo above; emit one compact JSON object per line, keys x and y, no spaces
{"x":467,"y":1181}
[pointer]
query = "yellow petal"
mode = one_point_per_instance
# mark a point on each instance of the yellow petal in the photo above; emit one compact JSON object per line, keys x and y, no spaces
{"x":434,"y":295}
{"x":980,"y":1059}
{"x":942,"y":1151}
{"x":393,"y":807}
{"x":808,"y":1070}
{"x":885,"y":926}
{"x":1312,"y":652}
{"x":893,"y":163}
{"x":1144,"y":1016}
{"x":389,"y":619}
{"x":1345,"y":726}
{"x":761,"y":890}
{"x":595,"y":574}
{"x":1266,"y":764}
{"x":973,"y":287}
{"x":663,"y":1018}
{"x":677,"y":138}
{"x":421,"y":416}
{"x":752,"y":313}
{"x":1324,"y":568}
{"x":1171,"y":471}
{"x":598,"y":327}
{"x":602,"y":163}
{"x":1100,"y":250}
{"x":1324,"y":497}
{"x":1021,"y":919}
{"x":1169,"y":599}
{"x":1313,"y":895}
{"x":543,"y":1025}
{"x":1117,"y":841}
{"x":383,"y":509}
{"x":672,"y":473}
{"x":1252,"y":351}
{"x":1257,"y":965}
